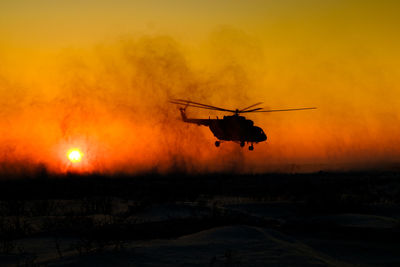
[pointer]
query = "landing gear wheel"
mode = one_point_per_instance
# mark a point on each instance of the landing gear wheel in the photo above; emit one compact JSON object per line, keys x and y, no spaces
{"x":217,"y":143}
{"x":242,"y":144}
{"x":251,"y":148}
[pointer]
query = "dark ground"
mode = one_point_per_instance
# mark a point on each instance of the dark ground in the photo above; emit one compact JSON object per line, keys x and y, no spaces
{"x":201,"y":220}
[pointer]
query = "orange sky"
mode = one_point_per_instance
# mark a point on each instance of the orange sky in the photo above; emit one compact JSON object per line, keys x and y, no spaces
{"x":97,"y":75}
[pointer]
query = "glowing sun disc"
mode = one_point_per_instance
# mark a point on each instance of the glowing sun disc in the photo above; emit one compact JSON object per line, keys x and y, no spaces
{"x":74,"y":155}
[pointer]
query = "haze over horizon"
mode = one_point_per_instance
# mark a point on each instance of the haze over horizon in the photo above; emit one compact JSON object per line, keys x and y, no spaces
{"x":97,"y":76}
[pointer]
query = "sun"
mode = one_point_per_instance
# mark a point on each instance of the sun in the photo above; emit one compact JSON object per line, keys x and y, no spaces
{"x":74,"y":155}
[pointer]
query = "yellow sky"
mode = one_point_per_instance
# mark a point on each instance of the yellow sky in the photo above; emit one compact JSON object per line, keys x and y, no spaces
{"x":87,"y":72}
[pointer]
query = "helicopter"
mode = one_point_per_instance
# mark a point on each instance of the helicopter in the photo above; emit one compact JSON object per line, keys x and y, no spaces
{"x":234,"y":128}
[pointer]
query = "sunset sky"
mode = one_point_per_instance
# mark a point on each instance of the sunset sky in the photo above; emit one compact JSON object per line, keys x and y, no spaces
{"x":96,"y":76}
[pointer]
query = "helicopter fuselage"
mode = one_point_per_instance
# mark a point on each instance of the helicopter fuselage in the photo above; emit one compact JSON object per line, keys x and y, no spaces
{"x":231,"y":128}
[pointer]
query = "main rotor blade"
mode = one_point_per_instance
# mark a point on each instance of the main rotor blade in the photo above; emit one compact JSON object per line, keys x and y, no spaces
{"x":250,"y":110}
{"x":278,"y":110}
{"x":195,"y":106}
{"x":256,"y":104}
{"x":199,"y":105}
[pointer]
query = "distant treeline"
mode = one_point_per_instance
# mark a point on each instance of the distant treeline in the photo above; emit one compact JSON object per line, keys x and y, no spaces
{"x":360,"y":187}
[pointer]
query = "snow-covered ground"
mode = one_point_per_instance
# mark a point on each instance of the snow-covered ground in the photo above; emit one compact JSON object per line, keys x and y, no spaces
{"x":232,"y":244}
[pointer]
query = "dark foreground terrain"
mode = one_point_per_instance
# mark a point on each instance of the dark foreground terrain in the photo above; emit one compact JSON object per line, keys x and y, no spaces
{"x":320,"y":219}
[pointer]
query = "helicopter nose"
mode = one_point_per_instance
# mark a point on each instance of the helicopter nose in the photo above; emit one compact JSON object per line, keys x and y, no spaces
{"x":263,"y":137}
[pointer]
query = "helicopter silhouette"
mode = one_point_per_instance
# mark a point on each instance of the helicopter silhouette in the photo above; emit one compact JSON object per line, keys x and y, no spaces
{"x":234,"y":128}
